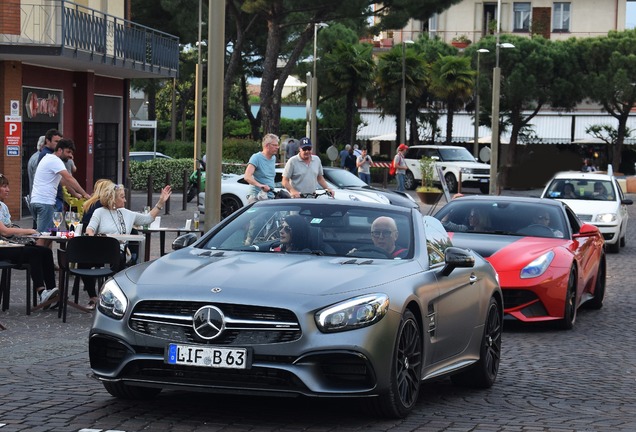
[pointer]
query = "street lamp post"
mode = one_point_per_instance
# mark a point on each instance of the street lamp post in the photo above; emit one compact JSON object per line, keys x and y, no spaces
{"x":314,"y":93}
{"x":403,"y":95}
{"x":496,"y":90}
{"x":198,"y":98}
{"x":476,"y":141}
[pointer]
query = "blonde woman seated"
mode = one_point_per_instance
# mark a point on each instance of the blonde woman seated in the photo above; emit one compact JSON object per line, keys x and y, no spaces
{"x":114,"y":218}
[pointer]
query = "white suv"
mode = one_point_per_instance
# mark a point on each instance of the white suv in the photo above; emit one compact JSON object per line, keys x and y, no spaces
{"x":453,"y":160}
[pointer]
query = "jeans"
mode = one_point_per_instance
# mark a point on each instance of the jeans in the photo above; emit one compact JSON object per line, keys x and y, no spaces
{"x":365,"y":177}
{"x":400,"y":182}
{"x":43,"y":215}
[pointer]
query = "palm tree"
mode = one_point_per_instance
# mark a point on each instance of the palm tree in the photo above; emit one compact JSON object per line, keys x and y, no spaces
{"x":389,"y":84}
{"x":452,"y":81}
{"x":350,"y":72}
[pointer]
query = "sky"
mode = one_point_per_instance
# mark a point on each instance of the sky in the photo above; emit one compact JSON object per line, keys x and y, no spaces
{"x":630,"y":20}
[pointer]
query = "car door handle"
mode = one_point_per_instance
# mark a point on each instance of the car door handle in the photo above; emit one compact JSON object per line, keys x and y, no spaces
{"x":472,"y":279}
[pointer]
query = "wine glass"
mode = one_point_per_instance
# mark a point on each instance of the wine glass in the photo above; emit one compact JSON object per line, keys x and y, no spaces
{"x":67,"y":218}
{"x":75,"y":220}
{"x":57,"y":219}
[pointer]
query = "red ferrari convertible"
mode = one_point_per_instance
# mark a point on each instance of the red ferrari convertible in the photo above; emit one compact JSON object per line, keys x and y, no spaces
{"x":549,"y":262}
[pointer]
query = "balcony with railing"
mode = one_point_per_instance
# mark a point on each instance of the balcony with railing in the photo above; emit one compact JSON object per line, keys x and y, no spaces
{"x":69,"y":35}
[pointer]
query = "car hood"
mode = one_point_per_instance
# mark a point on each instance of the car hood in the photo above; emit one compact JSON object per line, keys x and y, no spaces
{"x":591,"y":207}
{"x":393,"y":197}
{"x":361,"y":194}
{"x":275,"y":272}
{"x":504,"y":252}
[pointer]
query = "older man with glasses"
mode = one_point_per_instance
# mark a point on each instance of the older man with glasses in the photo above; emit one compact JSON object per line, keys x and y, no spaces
{"x":261,"y":170}
{"x":384,"y":234}
{"x":303,"y":172}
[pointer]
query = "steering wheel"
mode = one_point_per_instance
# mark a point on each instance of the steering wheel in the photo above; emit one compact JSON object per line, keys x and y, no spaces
{"x":369,"y":251}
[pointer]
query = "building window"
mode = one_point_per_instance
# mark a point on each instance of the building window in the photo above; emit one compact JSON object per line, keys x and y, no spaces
{"x":432,"y":25}
{"x":521,"y":17}
{"x":561,"y":17}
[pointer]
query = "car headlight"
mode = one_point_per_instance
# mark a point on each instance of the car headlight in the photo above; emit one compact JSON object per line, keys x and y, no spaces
{"x":112,"y":300}
{"x":605,"y":217}
{"x":353,"y":198}
{"x":466,"y":170}
{"x":538,"y":266}
{"x":352,"y":314}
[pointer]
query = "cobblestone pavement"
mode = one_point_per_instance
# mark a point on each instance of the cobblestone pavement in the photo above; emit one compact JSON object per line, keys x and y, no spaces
{"x":560,"y":381}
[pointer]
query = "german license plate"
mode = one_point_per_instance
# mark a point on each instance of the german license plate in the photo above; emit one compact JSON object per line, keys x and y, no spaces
{"x":483,"y":180}
{"x":207,"y":356}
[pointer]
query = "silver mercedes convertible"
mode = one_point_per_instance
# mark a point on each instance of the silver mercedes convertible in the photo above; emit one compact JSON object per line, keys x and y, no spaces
{"x":303,"y":297}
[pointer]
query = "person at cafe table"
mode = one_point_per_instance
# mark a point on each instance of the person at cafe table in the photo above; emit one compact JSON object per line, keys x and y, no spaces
{"x":114,"y":218}
{"x":40,"y":258}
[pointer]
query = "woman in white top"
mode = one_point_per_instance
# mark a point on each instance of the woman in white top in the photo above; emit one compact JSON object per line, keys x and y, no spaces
{"x":113,"y":218}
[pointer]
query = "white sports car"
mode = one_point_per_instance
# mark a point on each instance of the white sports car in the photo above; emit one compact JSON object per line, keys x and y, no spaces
{"x":234,"y":191}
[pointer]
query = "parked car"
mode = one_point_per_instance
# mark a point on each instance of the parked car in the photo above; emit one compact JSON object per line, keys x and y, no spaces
{"x":596,"y":198}
{"x":346,"y":186}
{"x":142,"y":156}
{"x":340,"y":317}
{"x":549,"y":262}
{"x":456,"y":162}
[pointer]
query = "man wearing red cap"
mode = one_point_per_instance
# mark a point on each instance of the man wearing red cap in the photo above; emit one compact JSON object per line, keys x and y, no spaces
{"x":400,"y":166}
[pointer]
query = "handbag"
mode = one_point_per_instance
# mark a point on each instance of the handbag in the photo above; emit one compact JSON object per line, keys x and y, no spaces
{"x":27,"y":241}
{"x":392,"y":168}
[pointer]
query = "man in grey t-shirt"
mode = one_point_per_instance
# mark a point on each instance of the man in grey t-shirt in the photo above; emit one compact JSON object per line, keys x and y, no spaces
{"x":303,"y":172}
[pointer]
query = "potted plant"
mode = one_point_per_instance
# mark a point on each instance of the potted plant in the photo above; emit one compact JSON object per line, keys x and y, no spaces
{"x":460,"y":41}
{"x":428,"y":193}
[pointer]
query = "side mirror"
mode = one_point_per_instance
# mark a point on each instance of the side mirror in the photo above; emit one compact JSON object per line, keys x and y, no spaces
{"x":587,"y":230}
{"x":184,"y":241}
{"x":457,"y":258}
{"x":627,"y":201}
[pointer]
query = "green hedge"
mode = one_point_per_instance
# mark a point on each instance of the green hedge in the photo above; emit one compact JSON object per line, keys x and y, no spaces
{"x":159,"y":168}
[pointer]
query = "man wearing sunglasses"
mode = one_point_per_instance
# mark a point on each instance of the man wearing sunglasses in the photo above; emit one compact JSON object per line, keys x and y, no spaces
{"x":384,"y":234}
{"x":303,"y":172}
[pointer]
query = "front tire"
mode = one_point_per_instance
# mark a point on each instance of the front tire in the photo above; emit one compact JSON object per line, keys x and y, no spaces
{"x":451,"y":182}
{"x":192,"y":192}
{"x":229,"y":204}
{"x":484,"y":373}
{"x":569,"y":311}
{"x":406,"y":371}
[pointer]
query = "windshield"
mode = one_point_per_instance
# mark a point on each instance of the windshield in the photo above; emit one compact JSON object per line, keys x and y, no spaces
{"x":304,"y":226}
{"x":343,"y":178}
{"x":580,"y":189}
{"x":458,"y":154}
{"x":504,"y":218}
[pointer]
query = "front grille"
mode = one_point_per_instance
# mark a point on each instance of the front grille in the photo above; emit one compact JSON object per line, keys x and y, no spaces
{"x":201,"y":377}
{"x":585,"y":217}
{"x":245,"y":325}
{"x":481,"y":171}
{"x":516,"y":297}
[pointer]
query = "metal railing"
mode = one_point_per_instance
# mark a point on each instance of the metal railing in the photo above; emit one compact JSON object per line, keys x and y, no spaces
{"x":71,"y":26}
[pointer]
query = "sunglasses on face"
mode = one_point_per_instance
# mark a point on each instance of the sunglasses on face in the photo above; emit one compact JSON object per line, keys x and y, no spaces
{"x":286,"y":228}
{"x":544,"y":218}
{"x":381,"y":233}
{"x":306,"y":149}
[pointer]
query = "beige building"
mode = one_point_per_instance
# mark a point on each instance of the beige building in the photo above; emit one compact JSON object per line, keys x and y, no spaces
{"x":552,"y":19}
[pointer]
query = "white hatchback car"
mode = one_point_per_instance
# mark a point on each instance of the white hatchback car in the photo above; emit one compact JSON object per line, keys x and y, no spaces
{"x":456,"y":162}
{"x":596,"y":198}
